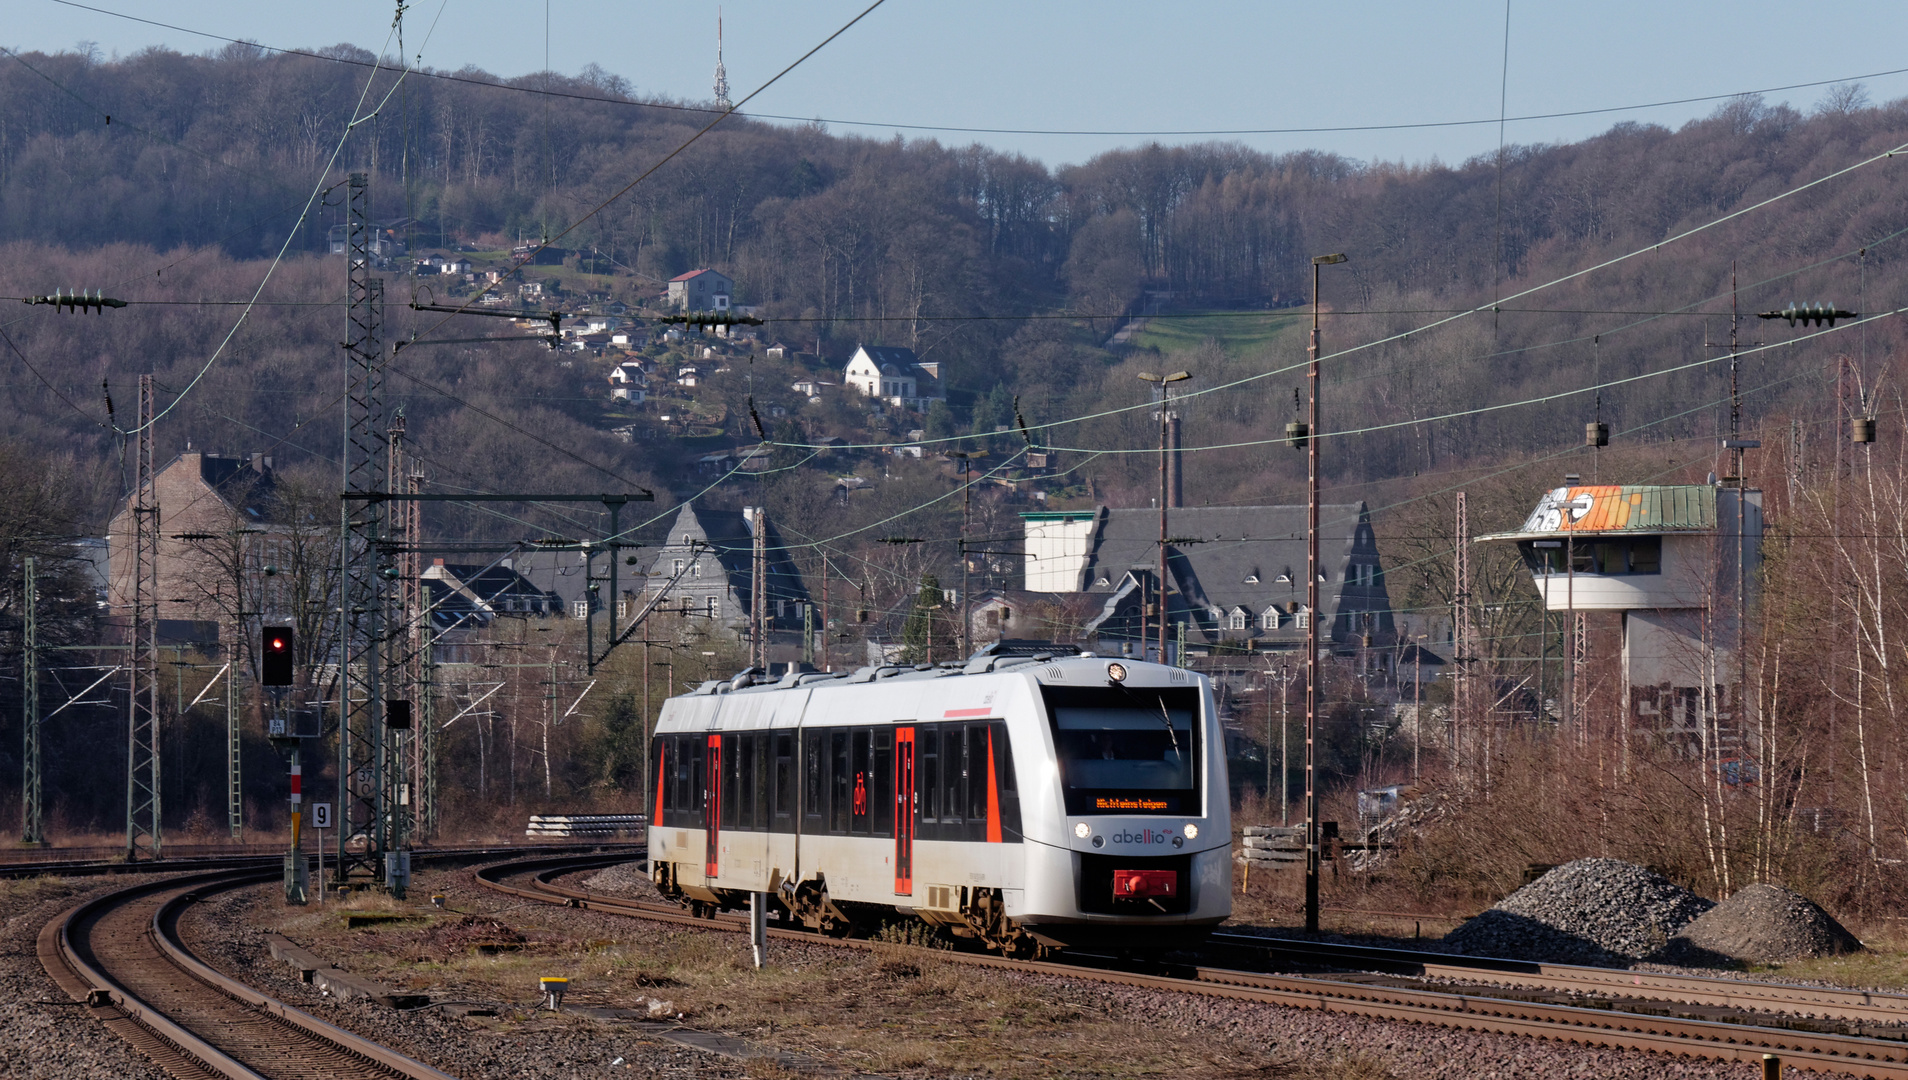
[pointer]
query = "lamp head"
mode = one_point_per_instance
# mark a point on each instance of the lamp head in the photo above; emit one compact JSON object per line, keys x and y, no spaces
{"x":1327,"y":260}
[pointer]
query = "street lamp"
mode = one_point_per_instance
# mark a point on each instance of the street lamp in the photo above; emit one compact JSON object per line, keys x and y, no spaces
{"x":1163,"y":381}
{"x":1312,"y":615}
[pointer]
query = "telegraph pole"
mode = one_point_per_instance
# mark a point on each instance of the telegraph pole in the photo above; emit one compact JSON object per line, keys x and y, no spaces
{"x":1165,"y":408}
{"x":1312,"y":614}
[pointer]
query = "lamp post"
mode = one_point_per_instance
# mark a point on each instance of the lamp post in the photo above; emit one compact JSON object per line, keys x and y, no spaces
{"x":1164,"y":381}
{"x":1312,"y":614}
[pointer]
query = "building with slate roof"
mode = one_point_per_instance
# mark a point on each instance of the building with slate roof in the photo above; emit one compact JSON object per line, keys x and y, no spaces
{"x":1235,"y":574}
{"x":716,"y":548}
{"x":893,"y":375}
{"x":1666,"y":560}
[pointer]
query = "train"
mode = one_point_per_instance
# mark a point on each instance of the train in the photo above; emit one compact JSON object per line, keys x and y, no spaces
{"x":1027,"y":801}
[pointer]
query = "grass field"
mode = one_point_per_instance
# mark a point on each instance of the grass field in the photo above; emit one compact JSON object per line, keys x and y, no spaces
{"x":1238,"y":332}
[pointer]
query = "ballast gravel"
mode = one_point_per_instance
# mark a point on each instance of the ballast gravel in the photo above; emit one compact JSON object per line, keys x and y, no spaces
{"x":1761,"y":924}
{"x":1604,"y":912}
{"x":1329,"y":1044}
{"x":43,"y":1034}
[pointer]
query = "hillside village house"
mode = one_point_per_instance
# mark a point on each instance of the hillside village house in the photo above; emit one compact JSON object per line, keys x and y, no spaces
{"x":628,"y":383}
{"x":893,"y":375}
{"x":701,"y":290}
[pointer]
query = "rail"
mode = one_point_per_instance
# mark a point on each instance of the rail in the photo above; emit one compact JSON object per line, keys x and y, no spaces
{"x":1882,"y":1059}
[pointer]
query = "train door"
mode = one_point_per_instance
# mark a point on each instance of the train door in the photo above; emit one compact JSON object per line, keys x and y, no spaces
{"x":712,"y":806}
{"x":904,"y":811}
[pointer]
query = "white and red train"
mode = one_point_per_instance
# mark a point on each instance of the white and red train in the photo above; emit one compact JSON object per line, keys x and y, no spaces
{"x":1027,"y":801}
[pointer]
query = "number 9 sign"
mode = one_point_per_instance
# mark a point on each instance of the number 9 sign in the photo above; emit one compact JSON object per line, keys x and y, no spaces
{"x":321,"y":815}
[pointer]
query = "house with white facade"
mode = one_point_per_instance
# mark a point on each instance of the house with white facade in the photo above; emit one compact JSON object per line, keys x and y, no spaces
{"x":892,"y":375}
{"x":628,"y":383}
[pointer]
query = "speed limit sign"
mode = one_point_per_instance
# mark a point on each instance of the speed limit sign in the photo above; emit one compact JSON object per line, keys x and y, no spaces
{"x":321,"y":815}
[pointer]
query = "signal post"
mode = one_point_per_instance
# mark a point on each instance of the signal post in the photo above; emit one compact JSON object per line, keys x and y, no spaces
{"x":287,"y":732}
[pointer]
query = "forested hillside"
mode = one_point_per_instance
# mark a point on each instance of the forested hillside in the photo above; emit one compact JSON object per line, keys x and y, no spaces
{"x":962,"y":253}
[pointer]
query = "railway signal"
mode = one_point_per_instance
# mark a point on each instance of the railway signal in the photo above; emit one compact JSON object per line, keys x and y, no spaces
{"x":275,"y":652}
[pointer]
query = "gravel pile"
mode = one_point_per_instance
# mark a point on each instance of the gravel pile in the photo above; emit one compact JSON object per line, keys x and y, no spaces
{"x":1605,"y":912}
{"x":623,"y":879}
{"x":1761,"y":924}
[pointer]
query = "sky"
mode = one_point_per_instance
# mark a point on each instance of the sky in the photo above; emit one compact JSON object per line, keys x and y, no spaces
{"x":1118,"y":69}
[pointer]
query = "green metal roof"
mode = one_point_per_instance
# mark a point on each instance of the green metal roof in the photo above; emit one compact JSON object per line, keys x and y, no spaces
{"x":1610,"y":508}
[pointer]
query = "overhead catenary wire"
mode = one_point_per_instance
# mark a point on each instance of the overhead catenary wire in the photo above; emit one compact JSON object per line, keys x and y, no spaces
{"x":970,"y":130}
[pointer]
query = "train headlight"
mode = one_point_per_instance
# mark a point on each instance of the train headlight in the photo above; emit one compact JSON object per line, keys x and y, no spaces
{"x":1116,"y":672}
{"x":1082,"y":830}
{"x":1192,"y":831}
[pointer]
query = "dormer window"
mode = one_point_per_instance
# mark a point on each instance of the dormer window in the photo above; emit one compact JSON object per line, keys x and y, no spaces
{"x":1285,"y":578}
{"x":1252,"y":578}
{"x":1102,"y":582}
{"x":1237,"y":620}
{"x":1269,"y":619}
{"x":1303,"y":618}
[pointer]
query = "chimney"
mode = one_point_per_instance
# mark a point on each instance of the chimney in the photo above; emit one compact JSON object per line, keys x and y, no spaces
{"x":258,"y":463}
{"x":1175,"y":473}
{"x":437,"y":562}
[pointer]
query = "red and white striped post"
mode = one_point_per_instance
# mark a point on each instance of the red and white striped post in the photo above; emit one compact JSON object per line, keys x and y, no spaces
{"x":297,"y":878}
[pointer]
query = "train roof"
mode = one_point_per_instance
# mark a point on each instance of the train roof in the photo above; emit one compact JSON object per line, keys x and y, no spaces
{"x":752,"y":680}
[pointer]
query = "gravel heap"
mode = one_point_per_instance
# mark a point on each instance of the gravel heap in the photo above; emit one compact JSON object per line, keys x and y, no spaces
{"x":623,"y":879}
{"x":1605,"y":912}
{"x":1761,"y":924}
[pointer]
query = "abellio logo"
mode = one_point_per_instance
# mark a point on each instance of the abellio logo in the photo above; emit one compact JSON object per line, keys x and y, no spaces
{"x":1143,"y":836}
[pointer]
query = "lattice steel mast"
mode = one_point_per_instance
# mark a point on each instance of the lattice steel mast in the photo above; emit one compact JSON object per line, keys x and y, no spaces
{"x":143,"y":806}
{"x":365,"y":821}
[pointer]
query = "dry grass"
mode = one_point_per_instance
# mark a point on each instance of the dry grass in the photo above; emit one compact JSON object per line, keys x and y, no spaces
{"x":895,"y":1009}
{"x":20,"y":892}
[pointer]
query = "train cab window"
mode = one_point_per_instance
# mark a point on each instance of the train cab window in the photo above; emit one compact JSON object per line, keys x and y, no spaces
{"x":1126,"y":750}
{"x":928,"y":773}
{"x":730,"y":800}
{"x":863,"y":740}
{"x":840,"y":780}
{"x":815,"y":782}
{"x":881,"y":784}
{"x":784,"y":782}
{"x":953,"y":775}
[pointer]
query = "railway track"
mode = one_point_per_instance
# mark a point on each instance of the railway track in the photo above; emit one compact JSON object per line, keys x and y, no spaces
{"x":122,"y":954}
{"x":1732,"y":1021}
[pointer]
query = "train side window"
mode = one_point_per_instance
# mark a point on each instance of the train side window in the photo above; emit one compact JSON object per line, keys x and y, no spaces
{"x":815,"y":782}
{"x":881,"y":787}
{"x":1009,"y":787}
{"x":927,"y":743}
{"x":680,"y":751}
{"x":840,"y":779}
{"x":730,"y":801}
{"x":760,"y":822}
{"x":977,"y":781}
{"x":745,"y":811}
{"x":784,"y":782}
{"x":953,"y":775}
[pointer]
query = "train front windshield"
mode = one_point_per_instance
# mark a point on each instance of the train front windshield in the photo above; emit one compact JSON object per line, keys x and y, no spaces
{"x":1126,"y":751}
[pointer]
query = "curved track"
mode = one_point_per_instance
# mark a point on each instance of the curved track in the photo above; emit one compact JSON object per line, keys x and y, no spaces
{"x":1615,"y":1011}
{"x":122,"y":954}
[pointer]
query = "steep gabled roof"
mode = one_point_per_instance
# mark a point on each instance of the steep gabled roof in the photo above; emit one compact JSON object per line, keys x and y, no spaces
{"x":697,"y":274}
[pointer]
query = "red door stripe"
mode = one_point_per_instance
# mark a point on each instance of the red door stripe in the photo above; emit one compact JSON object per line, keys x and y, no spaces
{"x":953,"y":713}
{"x":993,"y":793}
{"x":662,"y":773}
